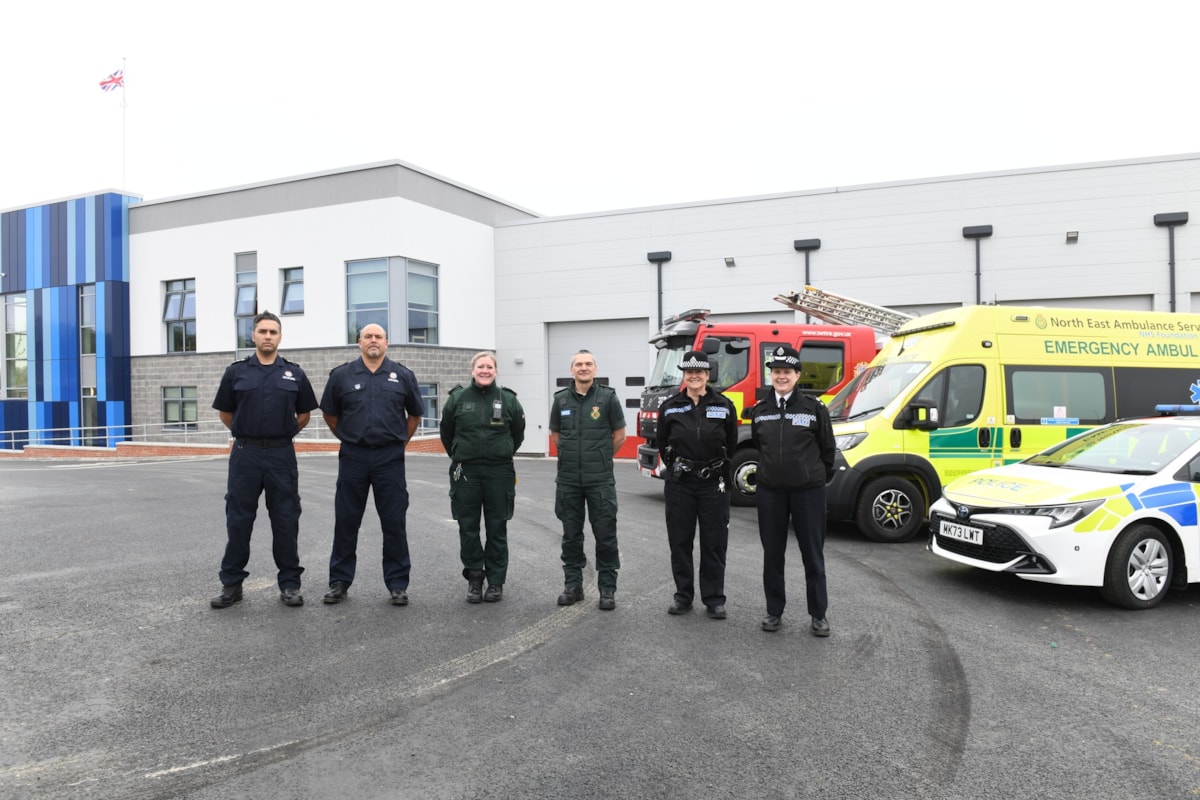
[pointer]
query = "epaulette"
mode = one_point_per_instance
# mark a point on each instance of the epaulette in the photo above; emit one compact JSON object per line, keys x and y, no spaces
{"x":457,"y":388}
{"x":510,"y":391}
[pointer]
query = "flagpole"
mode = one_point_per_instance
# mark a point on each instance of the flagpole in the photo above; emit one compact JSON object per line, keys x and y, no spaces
{"x":124,"y":94}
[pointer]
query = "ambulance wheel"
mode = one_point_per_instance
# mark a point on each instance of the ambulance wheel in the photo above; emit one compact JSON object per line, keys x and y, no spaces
{"x":745,"y":480}
{"x":1139,"y":570}
{"x":890,"y":509}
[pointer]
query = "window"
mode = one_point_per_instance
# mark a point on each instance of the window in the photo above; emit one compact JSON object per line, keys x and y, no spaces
{"x":293,"y":291}
{"x":179,"y":314}
{"x":366,"y":296}
{"x":398,"y":293}
{"x":89,"y":418}
{"x":1039,"y":394}
{"x":422,"y":303}
{"x":179,"y":408}
{"x":16,"y":358}
{"x":429,"y":393}
{"x":245,"y":304}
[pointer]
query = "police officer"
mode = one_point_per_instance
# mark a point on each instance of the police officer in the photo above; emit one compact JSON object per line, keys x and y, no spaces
{"x":794,"y":437}
{"x":373,"y":406}
{"x":482,"y":426}
{"x":698,"y":432}
{"x":264,"y":400}
{"x":587,"y":425}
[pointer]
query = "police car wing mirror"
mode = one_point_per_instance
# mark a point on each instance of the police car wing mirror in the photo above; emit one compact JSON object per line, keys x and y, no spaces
{"x":921,"y":415}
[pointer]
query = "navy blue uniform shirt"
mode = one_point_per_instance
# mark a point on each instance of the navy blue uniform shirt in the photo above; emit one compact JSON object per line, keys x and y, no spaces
{"x":372,"y":409}
{"x":264,"y":398}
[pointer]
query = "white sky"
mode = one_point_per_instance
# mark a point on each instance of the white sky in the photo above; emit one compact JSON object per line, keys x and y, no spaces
{"x":565,"y":107}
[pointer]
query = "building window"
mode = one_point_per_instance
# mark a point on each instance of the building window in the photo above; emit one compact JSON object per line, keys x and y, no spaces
{"x":89,"y":417}
{"x":293,"y":291}
{"x":245,"y":304}
{"x":179,"y":314}
{"x":366,"y":296}
{"x":397,"y":293}
{"x":16,"y":357}
{"x":179,"y":408}
{"x":422,"y":303}
{"x":429,"y":393}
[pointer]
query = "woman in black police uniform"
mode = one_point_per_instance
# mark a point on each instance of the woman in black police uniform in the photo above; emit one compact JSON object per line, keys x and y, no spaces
{"x":697,"y":430}
{"x":482,"y":426}
{"x":795,"y":444}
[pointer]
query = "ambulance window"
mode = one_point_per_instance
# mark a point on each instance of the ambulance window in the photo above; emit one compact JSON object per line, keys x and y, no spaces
{"x":958,"y":394}
{"x":1061,"y":394}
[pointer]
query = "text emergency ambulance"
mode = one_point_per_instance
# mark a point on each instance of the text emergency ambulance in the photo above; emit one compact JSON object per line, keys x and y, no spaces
{"x":965,"y":389}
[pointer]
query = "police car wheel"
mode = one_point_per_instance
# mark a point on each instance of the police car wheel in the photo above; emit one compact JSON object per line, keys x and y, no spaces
{"x":1140,"y":566}
{"x":890,"y":509}
{"x":745,"y":476}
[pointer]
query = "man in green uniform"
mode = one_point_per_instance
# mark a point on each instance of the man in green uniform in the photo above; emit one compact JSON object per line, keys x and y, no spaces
{"x":587,"y":425}
{"x":482,"y":427}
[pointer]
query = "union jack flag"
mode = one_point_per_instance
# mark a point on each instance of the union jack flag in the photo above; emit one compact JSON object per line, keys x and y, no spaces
{"x":114,"y":81}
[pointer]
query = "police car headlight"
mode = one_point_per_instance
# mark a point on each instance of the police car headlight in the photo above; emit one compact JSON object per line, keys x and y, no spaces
{"x":848,"y":441}
{"x":1061,"y":515}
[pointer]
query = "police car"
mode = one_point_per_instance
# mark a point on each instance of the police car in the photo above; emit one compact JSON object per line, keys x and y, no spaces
{"x":1114,"y":507}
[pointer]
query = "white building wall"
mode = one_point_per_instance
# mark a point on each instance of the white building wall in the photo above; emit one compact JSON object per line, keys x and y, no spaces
{"x":897,"y":245}
{"x":320,"y":239}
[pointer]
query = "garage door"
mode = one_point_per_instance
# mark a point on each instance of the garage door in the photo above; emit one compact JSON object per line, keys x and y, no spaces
{"x":623,"y":358}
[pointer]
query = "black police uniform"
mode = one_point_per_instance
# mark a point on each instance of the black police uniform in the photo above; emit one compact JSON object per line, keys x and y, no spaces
{"x":372,"y":410}
{"x":264,"y":400}
{"x":585,"y":425}
{"x":795,"y":460}
{"x":698,"y":440}
{"x":481,"y":429}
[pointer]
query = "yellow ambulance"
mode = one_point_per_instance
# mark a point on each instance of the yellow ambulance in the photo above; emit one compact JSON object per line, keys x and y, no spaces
{"x":971,"y":388}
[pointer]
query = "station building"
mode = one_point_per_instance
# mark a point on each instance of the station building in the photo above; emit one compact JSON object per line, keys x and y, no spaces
{"x":169,"y":286}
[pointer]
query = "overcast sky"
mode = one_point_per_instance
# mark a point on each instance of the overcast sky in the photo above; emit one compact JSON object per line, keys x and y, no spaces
{"x":564,"y":107}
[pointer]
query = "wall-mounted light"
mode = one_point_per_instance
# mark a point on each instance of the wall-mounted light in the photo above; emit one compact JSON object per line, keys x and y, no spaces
{"x":518,"y":361}
{"x":658,"y":258}
{"x":1072,"y":237}
{"x":729,"y":262}
{"x":978,"y":233}
{"x":1170,"y":221}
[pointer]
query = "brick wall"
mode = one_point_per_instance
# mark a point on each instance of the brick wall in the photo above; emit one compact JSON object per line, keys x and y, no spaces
{"x":445,"y":366}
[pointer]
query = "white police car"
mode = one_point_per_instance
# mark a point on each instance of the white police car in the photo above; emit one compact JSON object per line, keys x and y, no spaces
{"x":1114,"y":507}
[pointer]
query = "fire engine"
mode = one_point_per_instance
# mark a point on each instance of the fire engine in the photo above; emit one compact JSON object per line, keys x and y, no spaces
{"x":830,"y":356}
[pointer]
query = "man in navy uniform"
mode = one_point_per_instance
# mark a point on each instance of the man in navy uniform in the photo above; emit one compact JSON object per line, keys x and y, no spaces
{"x":264,"y":400}
{"x":373,"y":406}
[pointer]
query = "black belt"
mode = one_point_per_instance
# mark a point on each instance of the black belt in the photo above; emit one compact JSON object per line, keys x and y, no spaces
{"x":264,"y":442}
{"x":701,"y":469}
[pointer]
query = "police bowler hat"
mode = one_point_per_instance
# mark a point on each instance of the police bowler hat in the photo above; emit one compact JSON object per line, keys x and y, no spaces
{"x":694,"y":359}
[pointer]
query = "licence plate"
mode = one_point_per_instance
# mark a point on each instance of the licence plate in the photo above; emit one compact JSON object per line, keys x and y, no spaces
{"x":963,"y":533}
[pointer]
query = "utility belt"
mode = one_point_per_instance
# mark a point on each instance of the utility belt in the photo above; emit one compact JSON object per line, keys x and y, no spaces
{"x":701,"y":469}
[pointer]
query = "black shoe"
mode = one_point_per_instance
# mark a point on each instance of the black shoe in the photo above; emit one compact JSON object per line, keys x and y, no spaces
{"x":291,"y":597}
{"x":228,"y":596}
{"x":399,"y":597}
{"x":337,"y":592}
{"x":493,"y":594}
{"x":715,"y":612}
{"x":608,"y":601}
{"x":820,"y":627}
{"x":771,"y":623}
{"x":570,"y":596}
{"x":475,"y":589}
{"x":678,"y":607}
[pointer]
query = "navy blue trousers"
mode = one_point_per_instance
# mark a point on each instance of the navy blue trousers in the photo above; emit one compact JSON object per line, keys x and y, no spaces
{"x":690,"y":502}
{"x":252,"y":471}
{"x":380,"y":471}
{"x":805,"y":509}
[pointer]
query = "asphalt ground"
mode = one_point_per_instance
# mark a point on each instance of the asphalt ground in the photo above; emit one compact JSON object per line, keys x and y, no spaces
{"x":119,"y":681}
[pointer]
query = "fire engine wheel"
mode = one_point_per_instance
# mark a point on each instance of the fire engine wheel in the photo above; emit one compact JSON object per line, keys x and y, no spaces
{"x":1139,"y":568}
{"x":890,"y":509}
{"x":745,"y":481}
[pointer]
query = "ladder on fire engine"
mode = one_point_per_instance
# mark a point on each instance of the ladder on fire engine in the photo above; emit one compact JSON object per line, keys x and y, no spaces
{"x":841,"y":310}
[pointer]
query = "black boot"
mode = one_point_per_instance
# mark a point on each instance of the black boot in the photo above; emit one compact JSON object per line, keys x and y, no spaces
{"x":475,"y":587}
